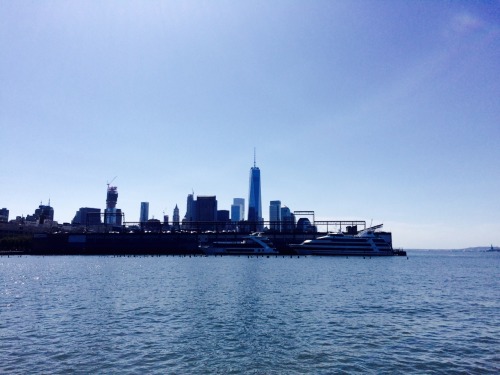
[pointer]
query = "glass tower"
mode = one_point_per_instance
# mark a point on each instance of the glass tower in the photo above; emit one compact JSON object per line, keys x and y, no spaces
{"x":238,"y":209}
{"x":144,"y":216}
{"x":275,"y":215}
{"x":254,"y":199}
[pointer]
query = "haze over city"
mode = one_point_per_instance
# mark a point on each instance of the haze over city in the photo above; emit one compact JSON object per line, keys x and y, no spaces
{"x":380,"y":111}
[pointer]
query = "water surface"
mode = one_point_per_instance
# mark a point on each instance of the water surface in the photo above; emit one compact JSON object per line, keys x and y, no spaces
{"x":434,"y":312}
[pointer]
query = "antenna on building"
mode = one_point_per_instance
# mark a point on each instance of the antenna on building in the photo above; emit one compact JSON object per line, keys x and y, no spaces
{"x":254,"y":157}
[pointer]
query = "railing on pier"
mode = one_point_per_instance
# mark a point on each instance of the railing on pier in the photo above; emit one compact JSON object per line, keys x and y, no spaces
{"x":155,"y":226}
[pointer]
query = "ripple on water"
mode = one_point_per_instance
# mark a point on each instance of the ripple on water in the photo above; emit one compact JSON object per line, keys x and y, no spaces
{"x":239,"y":315}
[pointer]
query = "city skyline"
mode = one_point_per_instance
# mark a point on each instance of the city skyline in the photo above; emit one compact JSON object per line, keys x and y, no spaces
{"x":378,"y":111}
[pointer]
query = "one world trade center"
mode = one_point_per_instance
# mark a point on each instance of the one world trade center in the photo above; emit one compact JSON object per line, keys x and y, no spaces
{"x":254,"y":200}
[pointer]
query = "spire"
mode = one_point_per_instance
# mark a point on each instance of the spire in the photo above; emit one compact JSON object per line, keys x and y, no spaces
{"x":254,"y":163}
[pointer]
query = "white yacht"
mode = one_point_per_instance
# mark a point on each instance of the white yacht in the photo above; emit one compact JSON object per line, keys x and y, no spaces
{"x":368,"y":242}
{"x":254,"y":244}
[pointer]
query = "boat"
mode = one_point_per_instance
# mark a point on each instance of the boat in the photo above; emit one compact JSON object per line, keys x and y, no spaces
{"x":493,"y":248}
{"x":368,"y":242}
{"x":253,"y":244}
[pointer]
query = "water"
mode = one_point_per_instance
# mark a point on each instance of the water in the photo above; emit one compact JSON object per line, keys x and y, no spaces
{"x":436,"y":312}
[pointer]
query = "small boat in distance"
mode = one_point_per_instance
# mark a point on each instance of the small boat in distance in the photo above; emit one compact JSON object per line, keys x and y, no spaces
{"x":493,"y":248}
{"x":367,"y":242}
{"x":253,"y":244}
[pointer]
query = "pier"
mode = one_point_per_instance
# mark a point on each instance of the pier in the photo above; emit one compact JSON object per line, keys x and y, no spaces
{"x":137,"y":239}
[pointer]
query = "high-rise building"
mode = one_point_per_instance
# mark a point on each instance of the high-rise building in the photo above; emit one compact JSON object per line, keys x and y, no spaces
{"x":42,"y":214}
{"x":112,"y":215}
{"x":176,"y":218}
{"x":254,"y":200}
{"x":206,"y":212}
{"x":144,"y":212}
{"x":287,"y":220}
{"x":275,"y":215}
{"x":191,"y":212}
{"x":238,"y":209}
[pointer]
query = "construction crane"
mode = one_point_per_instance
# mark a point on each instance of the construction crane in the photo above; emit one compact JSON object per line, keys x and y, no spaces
{"x":110,"y":182}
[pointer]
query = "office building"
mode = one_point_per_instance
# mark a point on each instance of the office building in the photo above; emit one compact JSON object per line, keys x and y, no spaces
{"x":206,"y":212}
{"x":287,"y":220}
{"x":254,"y":200}
{"x":87,"y":216}
{"x":238,"y":210}
{"x":275,"y":215}
{"x":43,"y":214}
{"x":4,"y":215}
{"x":144,"y":216}
{"x":176,"y":218}
{"x":191,"y":212}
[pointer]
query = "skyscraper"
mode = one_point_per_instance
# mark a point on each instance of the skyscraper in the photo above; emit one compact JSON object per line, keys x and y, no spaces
{"x":143,"y":218}
{"x":191,"y":212}
{"x":176,"y":218}
{"x":275,"y":215}
{"x":238,"y":209}
{"x":287,"y":220}
{"x":112,"y":215}
{"x":254,"y":199}
{"x":206,"y":212}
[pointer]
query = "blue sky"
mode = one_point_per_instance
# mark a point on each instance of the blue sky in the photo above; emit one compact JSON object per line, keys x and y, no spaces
{"x":369,"y":110}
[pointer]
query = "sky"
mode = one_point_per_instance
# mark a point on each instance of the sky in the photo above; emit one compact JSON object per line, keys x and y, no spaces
{"x":384,"y":111}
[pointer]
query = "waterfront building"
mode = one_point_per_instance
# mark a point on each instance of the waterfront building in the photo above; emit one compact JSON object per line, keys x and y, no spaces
{"x":287,"y":220}
{"x":275,"y":215}
{"x":87,"y":216}
{"x":144,"y":216}
{"x":238,"y":209}
{"x":4,"y":215}
{"x":254,"y":200}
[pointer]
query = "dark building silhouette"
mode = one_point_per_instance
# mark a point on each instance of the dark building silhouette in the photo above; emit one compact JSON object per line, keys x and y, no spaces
{"x":223,"y":219}
{"x":87,"y":216}
{"x":304,"y":225}
{"x":4,"y":215}
{"x":42,"y":214}
{"x":191,"y":212}
{"x":287,"y":220}
{"x":206,"y":212}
